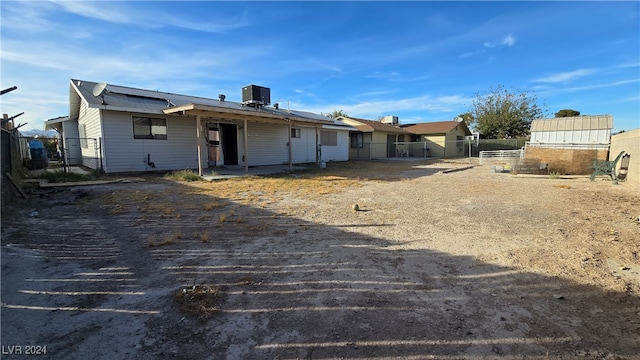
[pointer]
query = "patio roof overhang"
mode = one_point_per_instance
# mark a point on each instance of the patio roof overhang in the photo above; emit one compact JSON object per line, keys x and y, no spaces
{"x":257,"y":115}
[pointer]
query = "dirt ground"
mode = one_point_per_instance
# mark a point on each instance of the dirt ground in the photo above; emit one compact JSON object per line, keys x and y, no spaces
{"x":462,"y":265}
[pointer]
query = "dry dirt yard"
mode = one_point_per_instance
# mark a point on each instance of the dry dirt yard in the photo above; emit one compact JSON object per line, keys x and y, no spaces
{"x":461,"y":265}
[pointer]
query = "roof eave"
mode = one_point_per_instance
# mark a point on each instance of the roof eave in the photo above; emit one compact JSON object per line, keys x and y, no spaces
{"x":239,"y":114}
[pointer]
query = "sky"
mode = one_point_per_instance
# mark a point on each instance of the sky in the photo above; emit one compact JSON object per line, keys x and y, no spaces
{"x":422,"y":61}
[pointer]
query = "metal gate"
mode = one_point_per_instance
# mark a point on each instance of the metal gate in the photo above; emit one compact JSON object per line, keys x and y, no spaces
{"x":81,"y":151}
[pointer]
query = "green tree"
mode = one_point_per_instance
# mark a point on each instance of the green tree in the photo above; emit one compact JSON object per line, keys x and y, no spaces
{"x":335,"y":114}
{"x":567,"y":113}
{"x":503,"y":114}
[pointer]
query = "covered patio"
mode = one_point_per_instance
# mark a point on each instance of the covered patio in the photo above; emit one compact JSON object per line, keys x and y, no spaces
{"x":243,"y":117}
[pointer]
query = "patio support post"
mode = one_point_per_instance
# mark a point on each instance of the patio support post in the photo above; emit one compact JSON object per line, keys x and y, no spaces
{"x":290,"y":150}
{"x":199,"y":136}
{"x":246,"y":146}
{"x":317,"y":142}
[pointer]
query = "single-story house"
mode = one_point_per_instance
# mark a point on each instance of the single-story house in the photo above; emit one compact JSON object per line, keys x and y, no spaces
{"x":443,"y":139}
{"x":375,"y":139}
{"x":123,"y":129}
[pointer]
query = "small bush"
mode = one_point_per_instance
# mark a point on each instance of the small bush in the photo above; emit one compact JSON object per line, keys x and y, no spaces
{"x":200,"y":300}
{"x":204,"y":236}
{"x":184,"y":175}
{"x":554,"y":175}
{"x":61,"y":176}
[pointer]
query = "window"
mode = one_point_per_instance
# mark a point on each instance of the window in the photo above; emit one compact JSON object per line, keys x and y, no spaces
{"x":328,"y":138}
{"x":296,"y":133}
{"x":149,"y":128}
{"x":357,"y":141}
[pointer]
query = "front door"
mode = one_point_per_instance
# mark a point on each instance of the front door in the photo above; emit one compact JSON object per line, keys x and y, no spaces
{"x":229,"y":141}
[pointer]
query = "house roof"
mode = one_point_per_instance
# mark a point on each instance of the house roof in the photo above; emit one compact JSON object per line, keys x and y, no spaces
{"x":122,"y":98}
{"x":371,"y":126}
{"x":436,"y":127}
{"x":55,"y":123}
{"x":595,"y":122}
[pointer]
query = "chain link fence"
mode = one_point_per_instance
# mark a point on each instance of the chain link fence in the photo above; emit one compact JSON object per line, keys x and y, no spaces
{"x":431,"y":149}
{"x":80,"y":152}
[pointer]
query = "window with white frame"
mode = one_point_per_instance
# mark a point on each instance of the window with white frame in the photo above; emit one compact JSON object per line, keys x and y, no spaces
{"x":328,"y":138}
{"x":296,"y":133}
{"x":149,"y":128}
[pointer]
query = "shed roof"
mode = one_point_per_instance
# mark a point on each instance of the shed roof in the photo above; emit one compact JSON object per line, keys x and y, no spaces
{"x":436,"y":127}
{"x":588,"y":122}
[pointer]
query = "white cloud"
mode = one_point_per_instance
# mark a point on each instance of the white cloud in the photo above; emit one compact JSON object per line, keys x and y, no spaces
{"x":472,"y":53}
{"x":106,"y":11}
{"x":586,"y":87}
{"x":150,"y":17}
{"x":509,"y":40}
{"x":565,"y":76}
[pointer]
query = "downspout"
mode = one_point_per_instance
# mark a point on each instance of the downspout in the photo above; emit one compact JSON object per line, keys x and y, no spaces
{"x":290,"y":150}
{"x":100,"y":154}
{"x":317,"y":143}
{"x":246,"y":146}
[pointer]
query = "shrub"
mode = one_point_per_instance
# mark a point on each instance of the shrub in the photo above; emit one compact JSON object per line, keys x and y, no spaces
{"x":184,"y":175}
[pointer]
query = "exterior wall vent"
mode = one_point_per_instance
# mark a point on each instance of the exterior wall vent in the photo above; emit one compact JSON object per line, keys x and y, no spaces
{"x":256,"y":96}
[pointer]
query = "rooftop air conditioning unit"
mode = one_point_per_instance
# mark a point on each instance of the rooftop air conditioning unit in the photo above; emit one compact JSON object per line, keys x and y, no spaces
{"x":256,"y":96}
{"x":389,"y":119}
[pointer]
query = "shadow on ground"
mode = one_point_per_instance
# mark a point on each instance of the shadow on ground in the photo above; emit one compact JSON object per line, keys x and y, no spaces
{"x":92,"y":279}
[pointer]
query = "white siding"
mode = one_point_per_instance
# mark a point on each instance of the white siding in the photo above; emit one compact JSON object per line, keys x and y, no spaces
{"x":339,"y":152}
{"x":123,"y":153}
{"x":71,"y":142}
{"x":267,"y":144}
{"x":90,"y":134}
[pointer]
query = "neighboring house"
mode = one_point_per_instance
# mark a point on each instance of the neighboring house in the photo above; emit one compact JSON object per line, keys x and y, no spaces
{"x":569,"y":144}
{"x":375,"y":139}
{"x":442,"y":139}
{"x":123,"y":129}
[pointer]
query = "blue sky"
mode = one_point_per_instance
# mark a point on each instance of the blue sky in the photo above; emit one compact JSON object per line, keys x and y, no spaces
{"x":420,"y":61}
